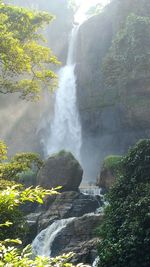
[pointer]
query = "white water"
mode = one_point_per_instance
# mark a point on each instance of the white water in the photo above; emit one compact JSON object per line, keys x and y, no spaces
{"x":66,"y":128}
{"x":95,"y":262}
{"x":42,"y":244}
{"x":91,"y":190}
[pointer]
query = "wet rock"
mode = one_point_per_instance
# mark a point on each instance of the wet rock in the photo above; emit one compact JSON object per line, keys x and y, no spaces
{"x":68,"y":204}
{"x":32,"y":221}
{"x":78,"y":237}
{"x":106,"y":179}
{"x":61,"y":169}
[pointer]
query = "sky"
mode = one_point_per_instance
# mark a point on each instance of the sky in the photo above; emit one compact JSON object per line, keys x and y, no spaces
{"x":84,"y":6}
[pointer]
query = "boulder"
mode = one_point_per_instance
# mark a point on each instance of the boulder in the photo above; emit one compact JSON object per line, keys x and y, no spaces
{"x":106,"y":178}
{"x":66,"y":205}
{"x":61,"y":169}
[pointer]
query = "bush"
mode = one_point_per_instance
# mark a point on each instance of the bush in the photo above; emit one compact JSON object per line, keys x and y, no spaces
{"x":112,"y":162}
{"x":125,"y":232}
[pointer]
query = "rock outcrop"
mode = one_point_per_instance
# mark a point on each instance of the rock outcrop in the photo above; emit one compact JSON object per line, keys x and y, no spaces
{"x":61,"y":169}
{"x":107,"y":178}
{"x":70,"y":235}
{"x":66,"y":223}
{"x":78,"y":237}
{"x":109,"y":171}
{"x":66,"y":205}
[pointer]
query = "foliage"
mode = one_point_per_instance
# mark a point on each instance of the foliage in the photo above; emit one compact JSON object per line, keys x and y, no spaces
{"x":125,"y":232}
{"x":12,"y":257}
{"x":13,"y":195}
{"x":18,"y":164}
{"x":129,"y":57}
{"x":63,"y":153}
{"x":10,"y":200}
{"x":112,"y":162}
{"x":29,"y":159}
{"x":3,"y":151}
{"x":6,"y":183}
{"x":24,"y":61}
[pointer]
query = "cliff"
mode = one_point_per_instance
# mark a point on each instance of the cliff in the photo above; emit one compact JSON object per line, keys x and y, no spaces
{"x":113,"y":81}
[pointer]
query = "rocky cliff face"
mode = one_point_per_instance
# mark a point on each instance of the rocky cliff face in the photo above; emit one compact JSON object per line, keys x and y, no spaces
{"x":114,"y":116}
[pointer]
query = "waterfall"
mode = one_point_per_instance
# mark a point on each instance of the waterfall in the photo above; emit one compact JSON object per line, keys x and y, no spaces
{"x":42,"y":244}
{"x":65,"y":127}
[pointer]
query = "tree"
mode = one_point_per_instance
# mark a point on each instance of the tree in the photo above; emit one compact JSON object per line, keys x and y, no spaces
{"x":24,"y":62}
{"x":125,"y":234}
{"x":18,"y":164}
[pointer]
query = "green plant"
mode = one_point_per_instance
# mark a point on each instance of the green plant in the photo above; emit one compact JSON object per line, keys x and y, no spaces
{"x":112,"y":162}
{"x":17,"y":165}
{"x":10,"y":200}
{"x":125,"y":234}
{"x":12,"y":257}
{"x":128,"y":58}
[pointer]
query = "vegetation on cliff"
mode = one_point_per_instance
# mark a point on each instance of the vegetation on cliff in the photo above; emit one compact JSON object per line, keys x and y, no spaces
{"x":125,"y":232}
{"x":127,"y":60}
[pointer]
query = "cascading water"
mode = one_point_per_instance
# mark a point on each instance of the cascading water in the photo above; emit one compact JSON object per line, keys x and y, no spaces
{"x":42,"y":244}
{"x":66,"y":128}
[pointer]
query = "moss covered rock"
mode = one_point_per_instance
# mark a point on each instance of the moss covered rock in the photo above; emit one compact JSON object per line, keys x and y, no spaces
{"x":60,"y":169}
{"x":110,"y":169}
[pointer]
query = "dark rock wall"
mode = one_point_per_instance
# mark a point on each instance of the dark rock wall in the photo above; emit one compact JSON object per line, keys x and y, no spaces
{"x":111,"y":122}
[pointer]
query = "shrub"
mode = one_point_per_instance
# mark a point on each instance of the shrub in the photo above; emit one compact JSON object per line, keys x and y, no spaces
{"x":112,"y":162}
{"x":125,"y":232}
